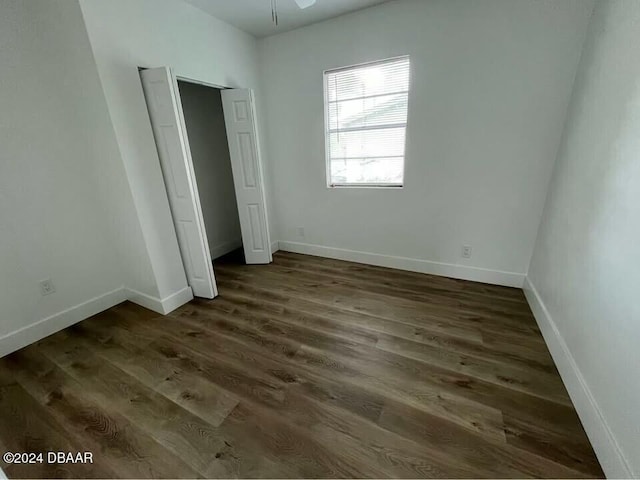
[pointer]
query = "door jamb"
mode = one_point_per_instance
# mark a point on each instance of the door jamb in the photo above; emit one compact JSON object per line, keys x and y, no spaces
{"x":200,"y":82}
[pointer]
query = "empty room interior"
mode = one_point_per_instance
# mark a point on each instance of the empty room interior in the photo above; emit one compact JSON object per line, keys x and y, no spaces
{"x":319,"y":238}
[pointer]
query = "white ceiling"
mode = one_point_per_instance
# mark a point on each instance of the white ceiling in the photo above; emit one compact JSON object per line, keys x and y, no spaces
{"x":254,"y":16}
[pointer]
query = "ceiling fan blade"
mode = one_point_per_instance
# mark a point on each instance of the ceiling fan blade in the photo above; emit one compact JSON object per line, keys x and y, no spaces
{"x":305,"y":3}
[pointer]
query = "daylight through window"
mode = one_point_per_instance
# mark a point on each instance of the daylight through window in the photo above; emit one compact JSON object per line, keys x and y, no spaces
{"x":366,"y":121}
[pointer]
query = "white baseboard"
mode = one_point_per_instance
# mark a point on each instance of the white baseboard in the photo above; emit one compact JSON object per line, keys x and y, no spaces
{"x":164,"y":305}
{"x":496,"y":277}
{"x":177,"y":299}
{"x":43,"y":328}
{"x":224,"y":248}
{"x":604,"y":443}
{"x":54,"y":323}
{"x":228,"y":247}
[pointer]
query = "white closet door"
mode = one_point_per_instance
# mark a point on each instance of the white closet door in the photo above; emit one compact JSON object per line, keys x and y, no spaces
{"x":165,"y":111}
{"x":242,"y":134}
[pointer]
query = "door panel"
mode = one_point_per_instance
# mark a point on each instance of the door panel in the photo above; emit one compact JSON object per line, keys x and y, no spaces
{"x":248,"y":155}
{"x":242,"y":135}
{"x":256,"y":232}
{"x":165,"y":112}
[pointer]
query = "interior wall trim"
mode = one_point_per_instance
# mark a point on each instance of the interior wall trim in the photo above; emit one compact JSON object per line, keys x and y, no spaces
{"x":47,"y":326}
{"x":162,"y":306}
{"x":495,"y":277}
{"x":604,"y":443}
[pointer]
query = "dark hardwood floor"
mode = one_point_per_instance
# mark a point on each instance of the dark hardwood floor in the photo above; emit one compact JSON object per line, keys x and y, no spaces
{"x":308,"y":367}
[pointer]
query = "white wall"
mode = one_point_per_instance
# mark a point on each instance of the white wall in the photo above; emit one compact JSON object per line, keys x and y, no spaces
{"x":65,"y":207}
{"x":207,"y":134}
{"x":126,"y":34}
{"x":585,"y":267}
{"x":491,"y":84}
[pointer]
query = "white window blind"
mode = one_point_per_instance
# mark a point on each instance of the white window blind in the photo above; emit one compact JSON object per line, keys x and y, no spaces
{"x":366,"y":121}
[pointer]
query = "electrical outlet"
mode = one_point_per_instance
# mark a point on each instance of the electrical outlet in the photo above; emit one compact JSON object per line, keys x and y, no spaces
{"x":46,"y":287}
{"x":301,"y":232}
{"x":466,"y":251}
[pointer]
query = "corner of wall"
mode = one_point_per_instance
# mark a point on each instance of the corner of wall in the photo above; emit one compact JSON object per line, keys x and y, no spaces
{"x":40,"y":329}
{"x":164,"y":305}
{"x":562,"y":136}
{"x":137,"y":266}
{"x":604,"y":443}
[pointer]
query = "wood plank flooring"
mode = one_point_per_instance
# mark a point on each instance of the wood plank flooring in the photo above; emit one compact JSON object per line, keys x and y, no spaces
{"x":308,"y":367}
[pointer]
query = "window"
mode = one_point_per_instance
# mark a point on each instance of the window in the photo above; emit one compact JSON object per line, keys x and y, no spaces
{"x":366,"y":122}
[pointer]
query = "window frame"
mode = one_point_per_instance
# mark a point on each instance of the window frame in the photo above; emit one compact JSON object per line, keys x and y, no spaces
{"x":327,"y":147}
